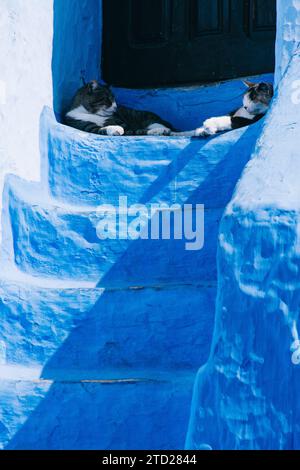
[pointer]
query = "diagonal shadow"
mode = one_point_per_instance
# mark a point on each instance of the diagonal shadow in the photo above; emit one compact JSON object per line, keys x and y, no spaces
{"x":162,"y":334}
{"x":153,"y":332}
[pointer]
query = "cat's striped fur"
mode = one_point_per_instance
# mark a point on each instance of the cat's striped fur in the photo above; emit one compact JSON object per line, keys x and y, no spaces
{"x":94,"y":110}
{"x":256,"y":103}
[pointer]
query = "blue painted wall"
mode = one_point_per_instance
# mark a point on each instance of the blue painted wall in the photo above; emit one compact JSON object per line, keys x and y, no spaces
{"x":247,"y":395}
{"x":187,"y":108}
{"x":77,"y":46}
{"x":100,"y":341}
{"x":111,"y":334}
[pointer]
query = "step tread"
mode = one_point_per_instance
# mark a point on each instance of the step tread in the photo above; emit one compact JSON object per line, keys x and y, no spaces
{"x":52,"y":243}
{"x":12,"y":373}
{"x":87,"y":170}
{"x":14,"y":276}
{"x":33,"y":193}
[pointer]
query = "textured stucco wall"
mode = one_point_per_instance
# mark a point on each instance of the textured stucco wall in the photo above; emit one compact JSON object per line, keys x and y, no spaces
{"x":82,"y":313}
{"x":246,"y":397}
{"x":187,"y":107}
{"x":288,"y":34}
{"x":26,"y":31}
{"x":76,"y":47}
{"x":248,"y":252}
{"x":39,"y":67}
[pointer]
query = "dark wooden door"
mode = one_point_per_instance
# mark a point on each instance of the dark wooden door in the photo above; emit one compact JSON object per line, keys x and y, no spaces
{"x":164,"y":42}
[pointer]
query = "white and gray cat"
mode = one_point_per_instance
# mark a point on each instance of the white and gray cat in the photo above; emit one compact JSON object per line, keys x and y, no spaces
{"x":256,"y":103}
{"x":94,"y":109}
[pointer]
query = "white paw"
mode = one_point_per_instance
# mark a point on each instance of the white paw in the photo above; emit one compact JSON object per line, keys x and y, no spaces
{"x":200,"y":132}
{"x":115,"y":130}
{"x":218,"y":124}
{"x":210,"y":126}
{"x":158,"y":130}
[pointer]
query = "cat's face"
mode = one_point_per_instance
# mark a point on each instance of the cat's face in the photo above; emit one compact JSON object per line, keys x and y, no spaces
{"x":96,"y":98}
{"x":258,"y":97}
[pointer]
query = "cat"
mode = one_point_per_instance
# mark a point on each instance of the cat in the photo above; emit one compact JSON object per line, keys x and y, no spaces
{"x":94,"y":109}
{"x":256,"y":103}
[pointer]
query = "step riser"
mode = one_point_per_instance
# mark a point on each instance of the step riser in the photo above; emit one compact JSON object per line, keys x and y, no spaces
{"x":87,"y":416}
{"x":52,"y":242}
{"x":94,"y":330}
{"x":85,"y":169}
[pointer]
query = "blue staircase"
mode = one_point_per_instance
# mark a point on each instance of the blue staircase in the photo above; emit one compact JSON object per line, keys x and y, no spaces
{"x":101,"y":339}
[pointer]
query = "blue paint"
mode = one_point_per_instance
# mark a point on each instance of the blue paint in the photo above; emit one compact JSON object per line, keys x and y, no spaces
{"x":102,"y":340}
{"x":103,"y":331}
{"x":187,"y":108}
{"x":92,"y":311}
{"x":99,"y":169}
{"x":54,"y":250}
{"x":247,"y":395}
{"x":168,"y":171}
{"x":76,"y":47}
{"x":111,"y":416}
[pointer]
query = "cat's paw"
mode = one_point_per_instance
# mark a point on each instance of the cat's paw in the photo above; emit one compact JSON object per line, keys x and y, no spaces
{"x":218,"y":124}
{"x":211,"y":126}
{"x":115,"y":130}
{"x":158,"y":130}
{"x":200,"y":132}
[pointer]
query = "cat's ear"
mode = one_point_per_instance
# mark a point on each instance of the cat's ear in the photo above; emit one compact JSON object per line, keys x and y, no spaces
{"x":93,"y":85}
{"x":266,"y":88}
{"x":249,"y":84}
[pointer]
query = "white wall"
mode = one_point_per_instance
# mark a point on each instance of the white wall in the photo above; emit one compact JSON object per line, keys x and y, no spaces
{"x":288,"y":34}
{"x":26,"y":34}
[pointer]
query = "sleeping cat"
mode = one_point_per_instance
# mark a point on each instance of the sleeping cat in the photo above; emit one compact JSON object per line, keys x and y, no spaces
{"x":94,"y":109}
{"x":256,"y":103}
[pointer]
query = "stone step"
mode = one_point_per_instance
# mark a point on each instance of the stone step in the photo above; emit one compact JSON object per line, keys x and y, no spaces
{"x":72,"y":328}
{"x":49,"y":239}
{"x":146,"y":411}
{"x":86,"y":169}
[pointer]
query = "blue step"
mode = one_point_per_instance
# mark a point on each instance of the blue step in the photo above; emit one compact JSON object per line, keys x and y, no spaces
{"x":100,"y":340}
{"x":86,"y":169}
{"x":71,"y":327}
{"x":89,"y":413}
{"x":54,"y":240}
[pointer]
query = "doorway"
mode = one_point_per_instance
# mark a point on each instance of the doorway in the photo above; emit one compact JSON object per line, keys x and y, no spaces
{"x":150,"y":43}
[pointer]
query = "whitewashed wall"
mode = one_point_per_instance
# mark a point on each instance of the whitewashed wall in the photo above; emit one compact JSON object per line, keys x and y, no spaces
{"x":288,"y":34}
{"x":26,"y":35}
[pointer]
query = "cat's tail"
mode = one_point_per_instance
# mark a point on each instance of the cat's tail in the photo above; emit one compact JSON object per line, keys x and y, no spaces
{"x":199,"y":132}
